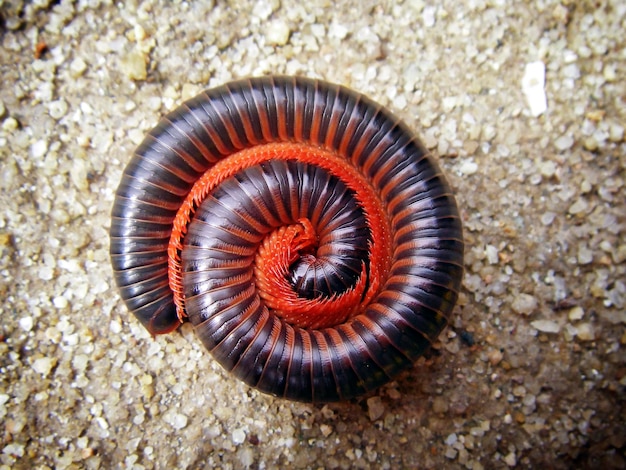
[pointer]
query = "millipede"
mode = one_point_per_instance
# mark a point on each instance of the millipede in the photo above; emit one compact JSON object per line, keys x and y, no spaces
{"x":305,"y":232}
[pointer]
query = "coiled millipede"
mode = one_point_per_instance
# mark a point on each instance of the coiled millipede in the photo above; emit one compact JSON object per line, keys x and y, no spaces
{"x":304,"y":231}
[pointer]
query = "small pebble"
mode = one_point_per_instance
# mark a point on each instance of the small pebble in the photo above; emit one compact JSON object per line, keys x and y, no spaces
{"x":619,"y":255}
{"x":492,"y":254}
{"x":547,"y":218}
{"x":524,"y":304}
{"x":546,"y":326}
{"x":576,"y":314}
{"x":510,"y":459}
{"x":585,"y":255}
{"x":77,"y":67}
{"x":80,"y":362}
{"x":278,"y":33}
{"x":468,"y":167}
{"x":580,"y":206}
{"x":326,"y":430}
{"x":14,"y":449}
{"x":375,"y":408}
{"x":26,"y":323}
{"x":495,"y":356}
{"x":39,"y":149}
{"x":585,"y":332}
{"x":533,"y":83}
{"x":178,"y":421}
{"x":337,"y":31}
{"x":60,"y":302}
{"x":428,"y":16}
{"x":239,"y":436}
{"x":609,"y":73}
{"x":10,"y":124}
{"x":564,"y":142}
{"x":133,"y":65}
{"x":616,"y":133}
{"x":58,"y":109}
{"x":44,"y":365}
{"x":429,"y":140}
{"x":590,"y":143}
{"x":547,"y":168}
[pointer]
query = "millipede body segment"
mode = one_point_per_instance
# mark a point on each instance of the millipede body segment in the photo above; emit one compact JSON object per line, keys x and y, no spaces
{"x":304,"y":231}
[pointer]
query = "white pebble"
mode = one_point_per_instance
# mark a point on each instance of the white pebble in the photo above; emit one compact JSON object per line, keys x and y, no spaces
{"x":14,"y":449}
{"x":78,"y":174}
{"x":533,"y":83}
{"x":492,"y":254}
{"x":547,"y":168}
{"x":10,"y":124}
{"x":547,"y":218}
{"x":585,"y":255}
{"x":429,"y":140}
{"x":246,"y":457}
{"x":70,"y":265}
{"x":489,"y":132}
{"x":278,"y":33}
{"x":39,"y":149}
{"x":189,"y":90}
{"x":579,"y":206}
{"x":610,"y":75}
{"x":546,"y":326}
{"x":442,"y":147}
{"x":80,"y":361}
{"x":468,"y":167}
{"x":57,"y":109}
{"x":239,"y":436}
{"x":115,"y":327}
{"x":337,"y":31}
{"x":399,"y":102}
{"x":571,"y":71}
{"x":180,"y":421}
{"x":102,"y":422}
{"x":616,"y":133}
{"x":451,"y":439}
{"x":428,"y":16}
{"x":524,"y":304}
{"x":565,"y":142}
{"x":78,"y":67}
{"x":43,"y":365}
{"x":60,"y":302}
{"x":26,"y":323}
{"x":86,"y":107}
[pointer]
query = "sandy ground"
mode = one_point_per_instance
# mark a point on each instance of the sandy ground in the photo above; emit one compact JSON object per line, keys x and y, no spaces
{"x":531,"y":373}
